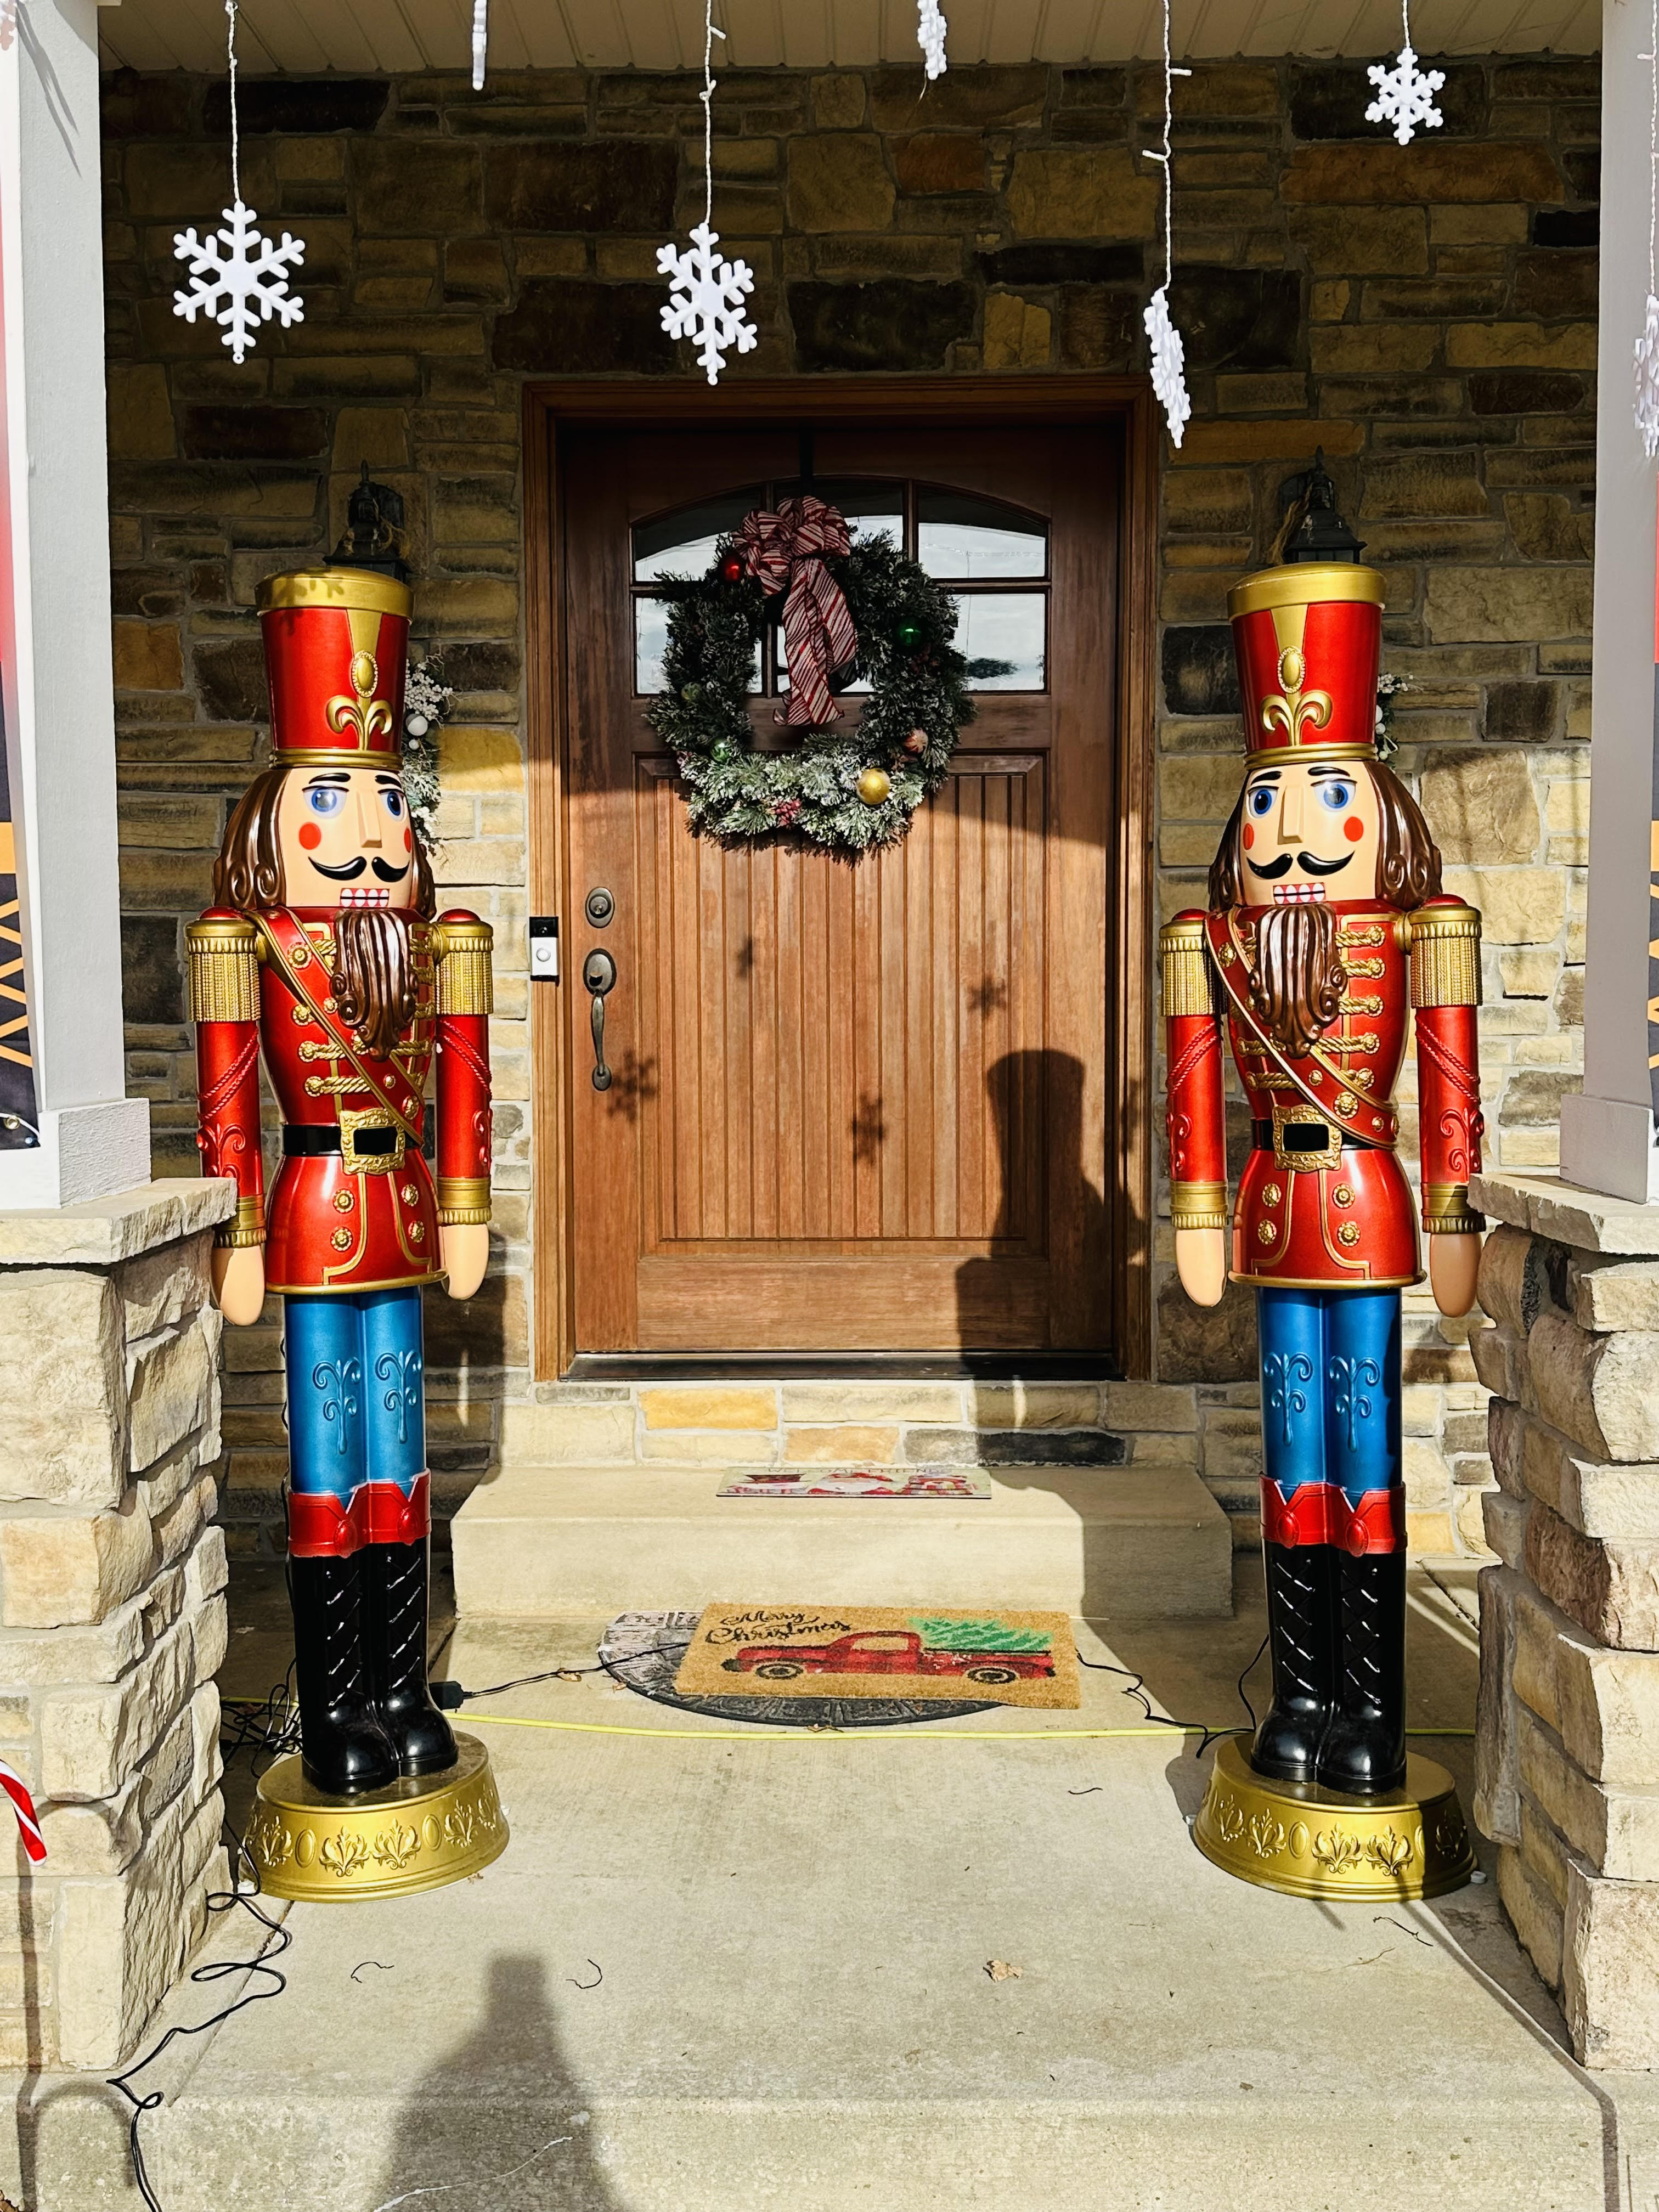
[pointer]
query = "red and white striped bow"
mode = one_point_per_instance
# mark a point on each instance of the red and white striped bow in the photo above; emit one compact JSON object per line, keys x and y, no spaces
{"x":23,"y":1805}
{"x":788,"y":548}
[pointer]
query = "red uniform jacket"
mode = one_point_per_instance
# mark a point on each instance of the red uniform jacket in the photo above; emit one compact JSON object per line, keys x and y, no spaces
{"x":1322,"y":1201}
{"x":364,"y":1214}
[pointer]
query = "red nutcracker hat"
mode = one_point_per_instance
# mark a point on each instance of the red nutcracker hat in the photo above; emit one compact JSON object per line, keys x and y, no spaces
{"x":337,"y":654}
{"x":1308,"y":641}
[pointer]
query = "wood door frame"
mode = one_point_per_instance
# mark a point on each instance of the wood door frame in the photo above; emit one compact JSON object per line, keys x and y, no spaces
{"x":1031,"y":401}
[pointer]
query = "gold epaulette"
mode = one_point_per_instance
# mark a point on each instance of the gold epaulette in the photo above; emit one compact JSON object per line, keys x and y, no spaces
{"x":224,"y":968}
{"x":461,"y":951}
{"x":1445,"y":956}
{"x":1187,"y":986}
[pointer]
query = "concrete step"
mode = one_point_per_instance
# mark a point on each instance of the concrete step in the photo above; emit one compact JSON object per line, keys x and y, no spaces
{"x":1102,"y":1543}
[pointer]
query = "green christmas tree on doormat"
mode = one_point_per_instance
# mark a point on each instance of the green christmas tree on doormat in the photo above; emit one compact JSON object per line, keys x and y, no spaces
{"x":945,"y":1632}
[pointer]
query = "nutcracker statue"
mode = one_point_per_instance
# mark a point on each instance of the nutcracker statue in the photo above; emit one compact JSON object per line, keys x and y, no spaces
{"x":1326,"y":920}
{"x":322,"y":946}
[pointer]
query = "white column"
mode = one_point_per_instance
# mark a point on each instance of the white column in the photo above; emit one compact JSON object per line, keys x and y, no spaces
{"x":55,"y":611}
{"x":1606,"y":1135}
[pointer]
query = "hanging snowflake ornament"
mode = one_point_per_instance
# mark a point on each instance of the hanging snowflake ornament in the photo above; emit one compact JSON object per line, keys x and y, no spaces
{"x":931,"y":28}
{"x":705,"y":299}
{"x":1405,"y":94}
{"x":1169,"y":365}
{"x":237,"y":277}
{"x":1647,"y":380}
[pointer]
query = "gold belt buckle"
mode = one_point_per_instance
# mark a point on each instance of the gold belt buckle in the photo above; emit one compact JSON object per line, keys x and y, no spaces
{"x":1295,"y":1160}
{"x":370,"y":1117}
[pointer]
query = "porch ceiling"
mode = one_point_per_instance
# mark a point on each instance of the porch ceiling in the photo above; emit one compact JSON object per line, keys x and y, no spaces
{"x":396,"y":35}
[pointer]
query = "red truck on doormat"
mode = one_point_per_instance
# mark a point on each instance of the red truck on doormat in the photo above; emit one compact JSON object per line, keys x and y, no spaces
{"x":886,"y":1651}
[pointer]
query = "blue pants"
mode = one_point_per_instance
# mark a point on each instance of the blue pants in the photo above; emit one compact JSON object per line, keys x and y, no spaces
{"x":357,"y":1405}
{"x":1330,"y":1388}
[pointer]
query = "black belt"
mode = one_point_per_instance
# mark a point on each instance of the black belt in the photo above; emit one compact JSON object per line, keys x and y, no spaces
{"x":1293,"y":1137}
{"x":304,"y":1141}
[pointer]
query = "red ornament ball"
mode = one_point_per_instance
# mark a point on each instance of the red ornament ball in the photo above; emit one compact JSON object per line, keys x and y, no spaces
{"x":916,"y":741}
{"x":732,"y":569}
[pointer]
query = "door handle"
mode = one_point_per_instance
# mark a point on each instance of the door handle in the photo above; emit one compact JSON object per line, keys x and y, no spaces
{"x":599,"y":977}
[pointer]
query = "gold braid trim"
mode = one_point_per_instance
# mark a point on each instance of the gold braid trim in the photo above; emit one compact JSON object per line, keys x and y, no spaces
{"x":247,"y":1228}
{"x":1447,"y":1210}
{"x":1446,"y":956}
{"x":463,"y":1198}
{"x":1187,"y":987}
{"x":224,"y":971}
{"x":1198,"y":1205}
{"x":461,"y":950}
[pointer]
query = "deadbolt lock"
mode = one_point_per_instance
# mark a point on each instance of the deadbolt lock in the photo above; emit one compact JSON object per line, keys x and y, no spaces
{"x":599,"y":908}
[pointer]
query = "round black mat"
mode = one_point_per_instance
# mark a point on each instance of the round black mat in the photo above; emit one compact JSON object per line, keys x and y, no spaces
{"x":644,"y":1649}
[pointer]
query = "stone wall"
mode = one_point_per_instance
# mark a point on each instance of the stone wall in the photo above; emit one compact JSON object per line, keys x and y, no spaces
{"x":1567,"y":1776}
{"x":1426,"y":314}
{"x":111,"y":1620}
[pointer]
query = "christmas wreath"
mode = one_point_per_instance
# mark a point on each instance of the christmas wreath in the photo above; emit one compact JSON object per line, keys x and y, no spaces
{"x":847,"y":612}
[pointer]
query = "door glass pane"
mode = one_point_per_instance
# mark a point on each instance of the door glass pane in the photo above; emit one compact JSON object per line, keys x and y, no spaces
{"x":963,"y":538}
{"x":682,"y":544}
{"x":868,"y":505}
{"x":650,"y":641}
{"x":1002,"y":635}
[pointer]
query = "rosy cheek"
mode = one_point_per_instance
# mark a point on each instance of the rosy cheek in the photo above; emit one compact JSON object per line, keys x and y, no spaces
{"x":310,"y":836}
{"x":1249,"y":835}
{"x":408,"y":841}
{"x":1353,"y":830}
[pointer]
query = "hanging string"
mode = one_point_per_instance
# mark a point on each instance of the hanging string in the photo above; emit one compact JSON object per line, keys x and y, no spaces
{"x":1645,"y":356}
{"x":1652,"y":58}
{"x":709,"y":34}
{"x":236,"y":135}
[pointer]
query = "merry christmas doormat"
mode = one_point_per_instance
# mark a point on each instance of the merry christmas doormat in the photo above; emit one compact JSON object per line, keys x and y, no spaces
{"x":881,"y":1651}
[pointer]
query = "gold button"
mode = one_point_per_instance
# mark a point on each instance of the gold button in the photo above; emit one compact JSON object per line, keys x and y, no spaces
{"x":1345,"y":1102}
{"x":1342,"y":1195}
{"x":300,"y":955}
{"x":1271,"y":1194}
{"x":1348,"y":1233}
{"x":342,"y":1201}
{"x":342,"y":1239}
{"x":331,"y":1005}
{"x":416,"y":1231}
{"x":1265,"y":1232}
{"x":1316,"y":1077}
{"x":301,"y":1016}
{"x":409,"y":1194}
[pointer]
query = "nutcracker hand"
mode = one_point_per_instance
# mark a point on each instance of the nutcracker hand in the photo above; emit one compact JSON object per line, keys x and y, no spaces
{"x":466,"y":1254}
{"x":239,"y":1282}
{"x":1454,"y":1263}
{"x":1201,"y":1264}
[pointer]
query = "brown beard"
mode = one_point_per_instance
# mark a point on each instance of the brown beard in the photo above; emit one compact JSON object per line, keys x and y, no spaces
{"x":1297,"y":986}
{"x":375,"y":978}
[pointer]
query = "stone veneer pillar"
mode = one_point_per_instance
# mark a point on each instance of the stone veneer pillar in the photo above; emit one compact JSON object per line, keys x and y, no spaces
{"x":1567,"y":1773}
{"x":111,"y":1616}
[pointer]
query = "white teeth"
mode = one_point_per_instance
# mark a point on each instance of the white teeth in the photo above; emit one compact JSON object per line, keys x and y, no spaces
{"x":361,"y":894}
{"x":1298,"y":894}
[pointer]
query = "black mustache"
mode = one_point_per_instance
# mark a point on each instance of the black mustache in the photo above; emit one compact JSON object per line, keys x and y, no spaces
{"x":348,"y":872}
{"x":1281,"y":866}
{"x":387,"y":873}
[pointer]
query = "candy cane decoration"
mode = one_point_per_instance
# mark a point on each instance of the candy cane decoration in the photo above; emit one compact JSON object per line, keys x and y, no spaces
{"x":23,"y":1805}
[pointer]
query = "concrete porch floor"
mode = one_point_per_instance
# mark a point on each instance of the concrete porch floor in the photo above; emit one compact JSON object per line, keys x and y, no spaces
{"x":750,"y":1975}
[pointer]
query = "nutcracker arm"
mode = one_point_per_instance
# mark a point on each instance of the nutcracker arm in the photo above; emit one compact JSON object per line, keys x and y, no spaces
{"x":1445,"y":991}
{"x":461,"y":951}
{"x":1194,"y":1112}
{"x":224,"y":1005}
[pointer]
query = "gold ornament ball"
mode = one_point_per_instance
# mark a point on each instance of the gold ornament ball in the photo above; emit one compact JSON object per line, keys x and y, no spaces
{"x":874,"y":785}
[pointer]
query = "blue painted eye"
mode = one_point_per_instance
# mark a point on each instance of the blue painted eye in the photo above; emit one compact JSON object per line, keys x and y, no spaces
{"x":1336,"y":796}
{"x":394,"y":803}
{"x":325,"y":798}
{"x":1261,"y":800}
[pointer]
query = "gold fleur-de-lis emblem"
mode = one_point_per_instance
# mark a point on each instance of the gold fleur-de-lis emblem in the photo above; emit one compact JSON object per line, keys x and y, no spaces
{"x":396,"y":1846}
{"x":1393,"y":1853}
{"x":365,"y":716}
{"x":343,"y":1853}
{"x":1267,"y":1835}
{"x":1338,"y":1849}
{"x":1293,"y":709}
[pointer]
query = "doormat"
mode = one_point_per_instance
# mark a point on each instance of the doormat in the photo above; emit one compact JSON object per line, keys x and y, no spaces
{"x":872,"y":1652}
{"x":860,"y":1482}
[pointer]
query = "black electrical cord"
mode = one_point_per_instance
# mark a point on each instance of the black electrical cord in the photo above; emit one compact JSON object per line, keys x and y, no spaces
{"x":1136,"y":1687}
{"x":450,"y":1696}
{"x":215,"y":1971}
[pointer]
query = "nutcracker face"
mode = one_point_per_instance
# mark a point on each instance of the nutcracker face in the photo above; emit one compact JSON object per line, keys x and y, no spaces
{"x":1310,"y":829}
{"x":345,"y":838}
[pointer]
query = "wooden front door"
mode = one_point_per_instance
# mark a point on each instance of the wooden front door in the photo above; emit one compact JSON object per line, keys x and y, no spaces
{"x":853,"y":1107}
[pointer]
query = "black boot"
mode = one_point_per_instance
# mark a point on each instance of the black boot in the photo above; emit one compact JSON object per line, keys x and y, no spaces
{"x":344,"y":1747}
{"x":1301,"y":1631}
{"x":1364,"y":1748}
{"x":396,"y":1576}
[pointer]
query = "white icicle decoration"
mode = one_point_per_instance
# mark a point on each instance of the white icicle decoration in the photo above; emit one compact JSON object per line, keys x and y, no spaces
{"x":1647,"y":346}
{"x":480,"y":42}
{"x":931,"y":28}
{"x":1647,"y":380}
{"x":1169,"y":365}
{"x":1405,"y":94}
{"x":238,"y":278}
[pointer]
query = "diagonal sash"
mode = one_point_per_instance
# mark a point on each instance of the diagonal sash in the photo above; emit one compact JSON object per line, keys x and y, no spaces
{"x":286,"y":936}
{"x":1222,"y":931}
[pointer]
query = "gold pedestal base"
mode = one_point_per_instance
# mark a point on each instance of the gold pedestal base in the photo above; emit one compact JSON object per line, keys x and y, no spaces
{"x":416,"y":1835}
{"x":1318,"y":1842}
